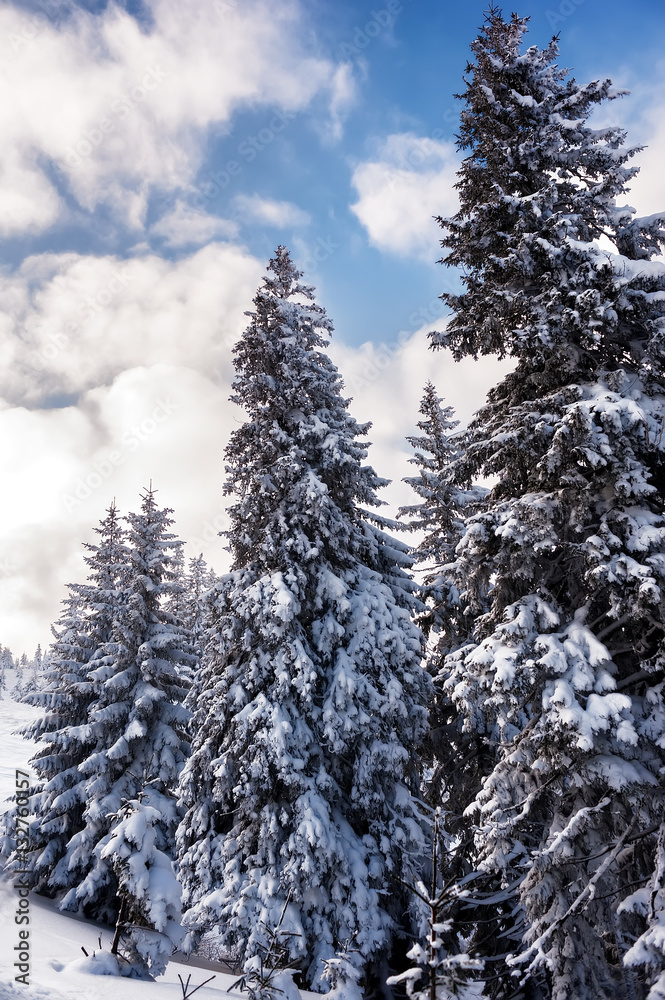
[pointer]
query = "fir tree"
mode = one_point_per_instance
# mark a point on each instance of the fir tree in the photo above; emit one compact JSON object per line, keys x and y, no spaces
{"x":130,"y":729}
{"x":21,"y":666}
{"x":148,"y":928}
{"x":439,"y":517}
{"x":175,"y":602}
{"x":649,"y":901}
{"x":310,"y":703}
{"x":137,"y":717}
{"x":434,"y":452}
{"x":199,"y":582}
{"x":440,"y":514}
{"x":559,"y":668}
{"x":6,"y":663}
{"x":87,"y":623}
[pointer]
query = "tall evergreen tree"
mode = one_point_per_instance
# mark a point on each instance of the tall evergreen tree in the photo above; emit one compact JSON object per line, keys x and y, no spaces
{"x":558,"y":673}
{"x":126,"y":741}
{"x":138,"y":719}
{"x":175,"y":602}
{"x":440,"y":514}
{"x":87,"y":622}
{"x":6,"y":663}
{"x":21,"y":667}
{"x":440,"y":518}
{"x":310,"y":703}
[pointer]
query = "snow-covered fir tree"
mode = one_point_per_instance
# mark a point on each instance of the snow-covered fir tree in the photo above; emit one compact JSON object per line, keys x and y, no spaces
{"x":190,"y":605}
{"x":131,"y":735}
{"x":439,"y":518}
{"x":649,"y":901}
{"x":436,"y":514}
{"x":148,"y":928}
{"x":86,"y":624}
{"x":199,"y":582}
{"x":36,"y":678}
{"x":441,"y":964}
{"x":21,"y":665}
{"x":310,"y":704}
{"x":138,"y":712}
{"x":558,"y":674}
{"x":175,"y":602}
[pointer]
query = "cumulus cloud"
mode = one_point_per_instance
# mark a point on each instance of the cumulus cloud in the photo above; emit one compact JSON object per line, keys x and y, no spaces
{"x":118,"y":109}
{"x":28,"y":201}
{"x":62,"y":468}
{"x":70,"y":322}
{"x":410,"y":180}
{"x":185,"y":226}
{"x":270,"y":212}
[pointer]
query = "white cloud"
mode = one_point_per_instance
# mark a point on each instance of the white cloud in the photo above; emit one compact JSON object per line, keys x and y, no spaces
{"x":61,"y":469}
{"x":269,"y":212}
{"x":641,"y":113}
{"x":119,"y":109}
{"x":647,"y":190}
{"x":28,"y":201}
{"x":186,"y":226}
{"x":410,"y":181}
{"x":343,"y":96}
{"x":69,"y":322}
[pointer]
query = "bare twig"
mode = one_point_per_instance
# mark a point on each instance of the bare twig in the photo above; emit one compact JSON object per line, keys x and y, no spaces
{"x":186,"y":992}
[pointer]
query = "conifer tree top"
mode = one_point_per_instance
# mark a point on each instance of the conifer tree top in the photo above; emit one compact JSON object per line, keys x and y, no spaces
{"x":300,"y":443}
{"x":538,"y":183}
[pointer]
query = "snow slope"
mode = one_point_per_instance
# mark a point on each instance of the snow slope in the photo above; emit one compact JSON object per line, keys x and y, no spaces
{"x":14,"y":750}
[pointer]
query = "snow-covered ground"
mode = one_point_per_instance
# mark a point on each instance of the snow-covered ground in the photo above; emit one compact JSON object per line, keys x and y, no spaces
{"x":55,"y":946}
{"x":56,"y":939}
{"x":14,"y":750}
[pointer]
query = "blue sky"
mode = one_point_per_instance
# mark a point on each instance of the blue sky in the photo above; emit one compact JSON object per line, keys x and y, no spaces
{"x":405,"y":67}
{"x":154,"y":155}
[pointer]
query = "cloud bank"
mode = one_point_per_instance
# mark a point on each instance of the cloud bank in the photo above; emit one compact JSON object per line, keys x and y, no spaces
{"x":103,"y":110}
